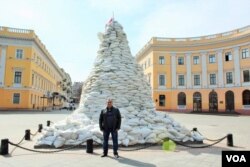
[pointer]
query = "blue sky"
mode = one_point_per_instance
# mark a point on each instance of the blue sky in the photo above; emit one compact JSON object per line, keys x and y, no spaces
{"x":69,"y":28}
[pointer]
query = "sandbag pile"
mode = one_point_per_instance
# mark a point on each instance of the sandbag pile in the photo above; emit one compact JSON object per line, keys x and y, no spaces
{"x":117,"y":76}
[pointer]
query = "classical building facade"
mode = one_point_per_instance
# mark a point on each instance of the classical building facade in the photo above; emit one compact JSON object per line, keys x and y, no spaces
{"x":203,"y":74}
{"x":29,"y":76}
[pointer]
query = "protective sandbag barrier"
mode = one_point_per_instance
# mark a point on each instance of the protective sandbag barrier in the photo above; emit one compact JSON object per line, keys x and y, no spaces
{"x":116,"y":75}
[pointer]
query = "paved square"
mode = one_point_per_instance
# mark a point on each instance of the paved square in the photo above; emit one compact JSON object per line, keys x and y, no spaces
{"x":13,"y":125}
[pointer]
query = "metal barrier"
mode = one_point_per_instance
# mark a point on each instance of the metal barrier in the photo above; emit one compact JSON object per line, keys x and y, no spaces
{"x":89,"y":148}
{"x":27,"y":134}
{"x":4,"y":147}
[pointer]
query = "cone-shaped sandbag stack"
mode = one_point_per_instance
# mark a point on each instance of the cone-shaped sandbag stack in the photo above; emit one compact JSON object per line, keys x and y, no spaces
{"x":117,"y":76}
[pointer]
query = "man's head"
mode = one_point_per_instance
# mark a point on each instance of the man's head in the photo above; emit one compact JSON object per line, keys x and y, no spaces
{"x":109,"y":103}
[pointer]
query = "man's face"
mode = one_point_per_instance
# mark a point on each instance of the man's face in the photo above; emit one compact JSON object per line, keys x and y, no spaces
{"x":109,"y":104}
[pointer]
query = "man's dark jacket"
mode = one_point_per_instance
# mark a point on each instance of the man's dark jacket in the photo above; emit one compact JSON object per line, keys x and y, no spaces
{"x":103,"y":119}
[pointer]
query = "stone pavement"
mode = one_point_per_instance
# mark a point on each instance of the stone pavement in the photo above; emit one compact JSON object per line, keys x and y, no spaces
{"x":13,"y":125}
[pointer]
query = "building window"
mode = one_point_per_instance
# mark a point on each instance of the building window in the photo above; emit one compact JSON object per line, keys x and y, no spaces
{"x":212,"y":59}
{"x":149,"y":78}
{"x":180,"y":60}
{"x":32,"y":79}
{"x":212,"y":79}
{"x":161,"y":60}
{"x":229,"y":76}
{"x":245,"y":53}
{"x":246,"y":97}
{"x":246,"y":76}
{"x":181,"y":80}
{"x":196,"y":60}
{"x":228,"y":56}
{"x":145,"y":64}
{"x":18,"y":77}
{"x":149,"y":63}
{"x":162,"y":80}
{"x":162,"y":100}
{"x":181,"y":98}
{"x":197,"y":80}
{"x":16,"y":98}
{"x":19,"y":54}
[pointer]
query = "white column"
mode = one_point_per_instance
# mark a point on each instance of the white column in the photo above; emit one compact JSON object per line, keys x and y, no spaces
{"x":2,"y":65}
{"x":204,"y":69}
{"x":236,"y":66}
{"x":173,"y":69}
{"x":189,"y":75}
{"x":220,"y":68}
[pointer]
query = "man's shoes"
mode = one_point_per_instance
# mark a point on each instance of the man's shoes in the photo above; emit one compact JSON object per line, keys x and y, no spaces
{"x":116,"y":155}
{"x":104,"y":155}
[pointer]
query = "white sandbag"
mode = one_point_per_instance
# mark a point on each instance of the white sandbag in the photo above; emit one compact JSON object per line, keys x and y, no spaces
{"x":162,"y":135}
{"x":48,"y":140}
{"x":66,"y":134}
{"x":59,"y":142}
{"x":122,"y":135}
{"x":151,"y":135}
{"x":126,"y":128}
{"x":145,"y":132}
{"x":185,"y":139}
{"x":197,"y":136}
{"x":125,"y":142}
{"x":133,"y":122}
{"x":151,"y":140}
{"x":47,"y":133}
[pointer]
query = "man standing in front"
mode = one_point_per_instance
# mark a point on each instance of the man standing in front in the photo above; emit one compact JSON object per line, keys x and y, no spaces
{"x":110,"y":122}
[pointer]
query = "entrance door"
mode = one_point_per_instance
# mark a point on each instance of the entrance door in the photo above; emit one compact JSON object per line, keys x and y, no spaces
{"x":213,"y":101}
{"x":229,"y":98}
{"x":197,"y":102}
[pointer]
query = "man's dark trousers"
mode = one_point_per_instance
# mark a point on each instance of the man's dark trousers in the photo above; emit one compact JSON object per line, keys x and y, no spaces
{"x":114,"y":135}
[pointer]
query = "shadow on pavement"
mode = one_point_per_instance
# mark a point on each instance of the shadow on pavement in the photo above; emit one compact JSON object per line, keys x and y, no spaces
{"x":216,"y":150}
{"x":209,"y":150}
{"x":133,"y":162}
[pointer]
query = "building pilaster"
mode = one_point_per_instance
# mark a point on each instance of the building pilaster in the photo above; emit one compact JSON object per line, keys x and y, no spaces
{"x":204,"y":69}
{"x":189,"y":75}
{"x":236,"y":66}
{"x":173,"y":68}
{"x":2,"y":64}
{"x":220,"y":68}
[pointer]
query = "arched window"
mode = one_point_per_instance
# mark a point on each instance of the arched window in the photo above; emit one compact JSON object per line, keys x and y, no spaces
{"x":213,"y":101}
{"x":229,"y":99}
{"x":246,"y":97}
{"x":181,"y":98}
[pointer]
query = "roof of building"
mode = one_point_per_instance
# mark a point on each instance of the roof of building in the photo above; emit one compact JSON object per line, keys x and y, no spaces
{"x":194,"y":41}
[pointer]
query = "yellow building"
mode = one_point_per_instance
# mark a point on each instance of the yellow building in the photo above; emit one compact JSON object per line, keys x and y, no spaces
{"x":29,"y":76}
{"x":202,"y":74}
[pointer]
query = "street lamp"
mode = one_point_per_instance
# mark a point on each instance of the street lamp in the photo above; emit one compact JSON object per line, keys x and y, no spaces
{"x":43,"y":97}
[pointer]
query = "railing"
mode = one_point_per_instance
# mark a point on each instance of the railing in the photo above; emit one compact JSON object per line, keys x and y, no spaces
{"x":25,"y":33}
{"x":229,"y":33}
{"x":208,"y":37}
{"x":17,"y":30}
